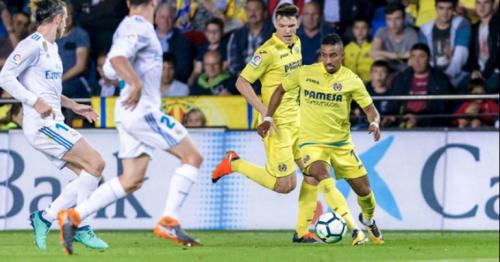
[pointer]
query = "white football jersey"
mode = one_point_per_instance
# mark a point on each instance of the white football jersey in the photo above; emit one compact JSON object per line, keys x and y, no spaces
{"x":34,"y":70}
{"x":135,"y":39}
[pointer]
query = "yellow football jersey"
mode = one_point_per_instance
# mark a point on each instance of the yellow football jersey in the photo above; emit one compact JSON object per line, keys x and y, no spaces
{"x":271,"y":63}
{"x":358,"y":59}
{"x":325,"y":103}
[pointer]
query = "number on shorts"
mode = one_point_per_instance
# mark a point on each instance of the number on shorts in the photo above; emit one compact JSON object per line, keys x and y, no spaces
{"x":62,"y":126}
{"x":166,"y":120}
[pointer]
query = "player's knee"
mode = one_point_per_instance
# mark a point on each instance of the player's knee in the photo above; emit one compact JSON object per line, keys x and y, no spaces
{"x":132,"y":184}
{"x":195,"y":159}
{"x":96,"y":165}
{"x":284,"y":187}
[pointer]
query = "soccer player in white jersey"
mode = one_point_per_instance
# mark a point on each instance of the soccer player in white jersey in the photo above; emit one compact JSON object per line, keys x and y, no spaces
{"x":136,"y":58}
{"x":32,"y":74}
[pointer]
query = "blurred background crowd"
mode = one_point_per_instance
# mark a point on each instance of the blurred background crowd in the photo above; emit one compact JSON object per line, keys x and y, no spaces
{"x":409,"y":47}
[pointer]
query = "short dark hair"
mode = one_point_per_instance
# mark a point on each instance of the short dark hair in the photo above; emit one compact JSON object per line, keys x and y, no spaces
{"x":261,"y":2}
{"x":216,"y":21}
{"x":361,"y":19}
{"x":169,"y":58}
{"x":332,"y":39}
{"x":453,"y":2}
{"x":477,"y":82}
{"x":382,"y":63}
{"x":422,"y":47}
{"x":138,"y":2}
{"x":287,"y":10}
{"x":394,"y":7}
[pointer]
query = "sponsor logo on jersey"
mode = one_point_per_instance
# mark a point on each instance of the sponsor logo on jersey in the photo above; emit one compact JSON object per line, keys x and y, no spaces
{"x":293,"y":66}
{"x":17,"y":59}
{"x":256,"y":60}
{"x":133,"y":38}
{"x":322,"y":96}
{"x":51,"y":75}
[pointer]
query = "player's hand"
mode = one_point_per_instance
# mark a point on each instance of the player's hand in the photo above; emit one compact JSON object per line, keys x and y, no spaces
{"x":43,"y":108}
{"x":375,"y":130}
{"x":86,"y":111}
{"x":267,"y":127}
{"x":133,"y":97}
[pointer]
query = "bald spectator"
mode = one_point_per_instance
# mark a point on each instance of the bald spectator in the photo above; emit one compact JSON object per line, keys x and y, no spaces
{"x":214,"y":80}
{"x":311,"y":32}
{"x":172,"y":41}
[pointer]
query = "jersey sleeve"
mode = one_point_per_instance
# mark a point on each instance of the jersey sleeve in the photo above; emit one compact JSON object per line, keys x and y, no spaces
{"x":360,"y":94}
{"x":292,"y":81}
{"x":24,"y":55}
{"x":257,"y":66}
{"x":127,"y":43}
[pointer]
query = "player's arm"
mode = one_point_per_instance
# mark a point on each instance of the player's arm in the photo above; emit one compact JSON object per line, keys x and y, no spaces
{"x":124,"y":47}
{"x":80,"y":109}
{"x":21,"y":58}
{"x":268,"y":122}
{"x":246,"y":90}
{"x":374,"y":119}
{"x":254,"y":70}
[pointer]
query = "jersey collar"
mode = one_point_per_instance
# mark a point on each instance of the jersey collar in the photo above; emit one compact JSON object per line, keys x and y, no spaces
{"x":281,"y":43}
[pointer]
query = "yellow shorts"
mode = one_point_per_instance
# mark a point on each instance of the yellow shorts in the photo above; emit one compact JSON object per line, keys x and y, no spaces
{"x":343,"y":159}
{"x":282,"y":150}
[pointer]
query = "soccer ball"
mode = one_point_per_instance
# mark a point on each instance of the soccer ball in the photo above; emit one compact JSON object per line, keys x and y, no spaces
{"x":331,"y":227}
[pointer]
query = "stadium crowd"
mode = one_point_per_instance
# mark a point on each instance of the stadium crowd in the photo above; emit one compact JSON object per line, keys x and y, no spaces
{"x":409,"y":47}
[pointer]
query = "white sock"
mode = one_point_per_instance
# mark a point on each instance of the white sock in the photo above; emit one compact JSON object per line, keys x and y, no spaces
{"x":88,"y":183}
{"x":66,"y":199}
{"x":180,"y":185}
{"x":106,"y":194}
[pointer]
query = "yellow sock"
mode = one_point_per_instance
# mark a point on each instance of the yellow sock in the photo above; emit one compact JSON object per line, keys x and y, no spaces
{"x":336,"y":201}
{"x":255,"y":173}
{"x":367,"y":204}
{"x":308,"y":198}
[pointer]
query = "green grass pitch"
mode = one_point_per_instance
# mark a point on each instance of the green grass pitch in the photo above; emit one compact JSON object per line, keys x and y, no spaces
{"x":257,"y":246}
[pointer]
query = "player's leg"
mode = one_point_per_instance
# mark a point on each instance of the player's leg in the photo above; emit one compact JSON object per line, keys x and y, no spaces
{"x":279,"y":172}
{"x":180,"y":186}
{"x":349,"y":166}
{"x":317,"y":165}
{"x":367,"y":203}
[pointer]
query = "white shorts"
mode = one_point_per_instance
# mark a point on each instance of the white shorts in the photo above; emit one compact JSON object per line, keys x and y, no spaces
{"x":142,"y":134}
{"x":54,"y":139}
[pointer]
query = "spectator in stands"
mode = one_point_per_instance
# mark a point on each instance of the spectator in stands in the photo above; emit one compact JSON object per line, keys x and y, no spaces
{"x":169,"y":85}
{"x":341,"y":14}
{"x":203,"y":12}
{"x":20,"y":27}
{"x":393,"y":43}
{"x":214,"y":80}
{"x":379,"y":85}
{"x":357,"y":53}
{"x":484,"y":57}
{"x":6,"y":32}
{"x":194,"y":118}
{"x":214,"y":33}
{"x":172,"y":41}
{"x":243,"y":42}
{"x":100,"y":18}
{"x":14,"y":118}
{"x":419,"y":79}
{"x":311,"y":32}
{"x":448,"y":38}
{"x":104,"y":87}
{"x":74,"y":46}
{"x":482,"y":112}
{"x":232,"y":12}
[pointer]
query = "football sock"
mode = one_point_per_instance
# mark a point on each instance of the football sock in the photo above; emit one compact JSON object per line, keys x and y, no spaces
{"x":88,"y":183}
{"x":106,"y":194}
{"x":253,"y":172}
{"x":180,"y":185}
{"x":367,"y":204}
{"x":66,"y":199}
{"x":336,"y":201}
{"x":308,"y":198}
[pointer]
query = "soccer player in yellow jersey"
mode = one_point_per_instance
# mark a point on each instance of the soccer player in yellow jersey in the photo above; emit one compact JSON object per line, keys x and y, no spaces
{"x":271,"y":63}
{"x":326,"y":90}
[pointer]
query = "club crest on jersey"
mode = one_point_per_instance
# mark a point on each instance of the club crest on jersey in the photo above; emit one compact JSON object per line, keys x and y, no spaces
{"x":16,"y":59}
{"x":256,"y":60}
{"x":282,"y":167}
{"x":337,"y":86}
{"x":296,"y":49}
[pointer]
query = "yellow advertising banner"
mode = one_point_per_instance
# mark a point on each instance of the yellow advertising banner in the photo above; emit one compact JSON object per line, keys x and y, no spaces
{"x":218,"y":111}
